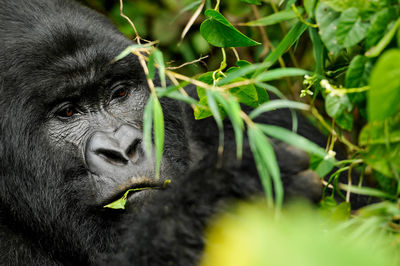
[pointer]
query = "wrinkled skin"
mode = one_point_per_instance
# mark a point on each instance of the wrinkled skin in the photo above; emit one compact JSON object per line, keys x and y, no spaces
{"x":71,"y":141}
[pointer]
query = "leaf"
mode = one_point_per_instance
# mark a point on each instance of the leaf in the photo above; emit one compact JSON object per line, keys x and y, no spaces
{"x":327,"y":20}
{"x":384,"y":95}
{"x":350,"y":29}
{"x":276,"y":104}
{"x":290,"y":38}
{"x":293,"y":139}
{"x":345,"y":121}
{"x":147,"y":126}
{"x":376,"y":50}
{"x":342,"y":5}
{"x":372,"y":133}
{"x":382,"y":159}
{"x":336,"y":105}
{"x":232,"y":108}
{"x":218,"y":31}
{"x":280,"y":73}
{"x":357,"y":74}
{"x":309,"y":5}
{"x":128,"y":50}
{"x":158,"y":133}
{"x":275,"y":18}
{"x":379,"y":23}
{"x":252,"y":2}
{"x":202,"y":111}
{"x":240,"y":72}
{"x":246,"y":94}
{"x":266,"y":160}
{"x":159,"y":59}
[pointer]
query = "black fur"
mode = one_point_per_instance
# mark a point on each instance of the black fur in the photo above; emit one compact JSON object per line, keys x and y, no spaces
{"x":48,"y":214}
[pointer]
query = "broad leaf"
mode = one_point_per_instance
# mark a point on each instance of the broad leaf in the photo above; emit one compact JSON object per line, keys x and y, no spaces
{"x":218,"y":31}
{"x":384,"y":96}
{"x":350,"y":29}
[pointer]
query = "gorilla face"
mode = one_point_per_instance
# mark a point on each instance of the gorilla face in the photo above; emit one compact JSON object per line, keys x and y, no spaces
{"x":84,"y":107}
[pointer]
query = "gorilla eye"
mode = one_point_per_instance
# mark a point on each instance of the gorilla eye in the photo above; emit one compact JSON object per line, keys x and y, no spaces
{"x":66,"y":111}
{"x":120,"y":93}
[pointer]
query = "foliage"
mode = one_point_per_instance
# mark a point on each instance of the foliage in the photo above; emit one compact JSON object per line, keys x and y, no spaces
{"x":346,"y":52}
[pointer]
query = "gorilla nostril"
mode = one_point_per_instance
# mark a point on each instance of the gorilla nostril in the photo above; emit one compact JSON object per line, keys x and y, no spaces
{"x":112,"y":156}
{"x":131,"y":152}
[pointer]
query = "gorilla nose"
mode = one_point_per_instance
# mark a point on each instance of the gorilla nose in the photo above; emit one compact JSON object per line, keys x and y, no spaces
{"x":113,"y":152}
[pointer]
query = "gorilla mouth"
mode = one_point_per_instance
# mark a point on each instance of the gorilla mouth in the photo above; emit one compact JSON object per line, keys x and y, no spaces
{"x":129,"y":191}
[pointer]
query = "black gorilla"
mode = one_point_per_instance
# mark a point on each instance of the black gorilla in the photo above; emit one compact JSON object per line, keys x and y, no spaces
{"x":71,"y":141}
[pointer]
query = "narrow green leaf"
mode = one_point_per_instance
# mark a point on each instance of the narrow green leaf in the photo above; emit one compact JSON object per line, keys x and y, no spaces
{"x":240,"y":72}
{"x":214,"y":109}
{"x":158,"y":134}
{"x":147,"y":126}
{"x":280,"y":73}
{"x":267,"y":155}
{"x":128,"y":50}
{"x":252,"y":2}
{"x":151,"y":67}
{"x":261,"y":166}
{"x":275,"y":18}
{"x":379,"y":24}
{"x":233,"y":109}
{"x":293,"y":139}
{"x":376,"y":50}
{"x":290,"y":38}
{"x":218,"y":31}
{"x":159,"y":59}
{"x":277,"y":104}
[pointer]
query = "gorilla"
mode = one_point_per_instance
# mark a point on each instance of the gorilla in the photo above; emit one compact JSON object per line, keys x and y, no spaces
{"x":71,"y":141}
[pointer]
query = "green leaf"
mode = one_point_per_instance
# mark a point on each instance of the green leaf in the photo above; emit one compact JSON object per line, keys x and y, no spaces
{"x":350,"y":29}
{"x":218,"y":31}
{"x":120,"y":203}
{"x":240,"y":72}
{"x":246,"y":94}
{"x":384,"y":95}
{"x":147,"y":126}
{"x":262,"y":95}
{"x":290,"y":38}
{"x":376,"y":50}
{"x":159,"y":59}
{"x":293,"y":139}
{"x":379,"y":24}
{"x":372,"y":133}
{"x":206,"y":78}
{"x":325,"y":166}
{"x":266,"y":160}
{"x":345,"y":121}
{"x":383,"y":159}
{"x":158,"y":133}
{"x":128,"y":50}
{"x":309,"y":6}
{"x":342,"y":5}
{"x":280,"y":73}
{"x":275,"y":18}
{"x":327,"y":20}
{"x":277,"y":104}
{"x":151,"y":67}
{"x":358,"y":73}
{"x":252,"y":2}
{"x":202,"y":111}
{"x":232,"y":108}
{"x":336,"y":105}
